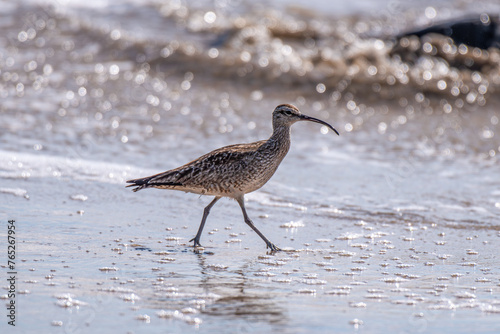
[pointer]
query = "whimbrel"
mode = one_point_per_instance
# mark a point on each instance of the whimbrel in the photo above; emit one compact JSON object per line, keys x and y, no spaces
{"x":233,"y":171}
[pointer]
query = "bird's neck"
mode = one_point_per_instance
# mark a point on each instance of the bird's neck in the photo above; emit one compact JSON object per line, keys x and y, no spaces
{"x":280,"y":140}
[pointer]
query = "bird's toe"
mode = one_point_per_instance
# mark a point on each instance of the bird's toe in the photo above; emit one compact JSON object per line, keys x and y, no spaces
{"x":273,"y":247}
{"x":196,"y":242}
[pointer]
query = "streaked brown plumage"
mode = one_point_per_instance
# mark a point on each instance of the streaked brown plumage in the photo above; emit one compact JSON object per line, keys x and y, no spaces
{"x":233,"y":171}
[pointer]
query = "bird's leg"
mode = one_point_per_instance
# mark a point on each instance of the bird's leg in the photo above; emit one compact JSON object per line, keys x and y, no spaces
{"x":206,"y":211}
{"x":269,"y":244}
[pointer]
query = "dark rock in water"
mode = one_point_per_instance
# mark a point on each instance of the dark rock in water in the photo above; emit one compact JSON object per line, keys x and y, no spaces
{"x":470,"y":43}
{"x":482,"y":32}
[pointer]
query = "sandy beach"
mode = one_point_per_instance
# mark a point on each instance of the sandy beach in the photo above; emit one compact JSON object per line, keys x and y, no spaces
{"x":391,"y":227}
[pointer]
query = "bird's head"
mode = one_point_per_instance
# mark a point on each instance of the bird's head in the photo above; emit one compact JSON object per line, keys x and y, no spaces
{"x":287,"y":114}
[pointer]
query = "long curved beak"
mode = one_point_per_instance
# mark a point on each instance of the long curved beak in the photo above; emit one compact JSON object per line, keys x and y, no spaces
{"x":312,"y":119}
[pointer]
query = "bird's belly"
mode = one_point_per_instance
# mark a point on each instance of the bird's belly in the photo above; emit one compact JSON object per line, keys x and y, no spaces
{"x":231,"y":180}
{"x":227,"y":186}
{"x":249,"y":182}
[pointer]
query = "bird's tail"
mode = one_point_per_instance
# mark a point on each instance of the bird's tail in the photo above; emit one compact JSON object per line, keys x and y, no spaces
{"x":149,"y":182}
{"x":139,"y":183}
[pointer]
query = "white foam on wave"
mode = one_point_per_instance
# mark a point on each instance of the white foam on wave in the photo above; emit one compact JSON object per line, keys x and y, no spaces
{"x":15,"y":165}
{"x":15,"y":191}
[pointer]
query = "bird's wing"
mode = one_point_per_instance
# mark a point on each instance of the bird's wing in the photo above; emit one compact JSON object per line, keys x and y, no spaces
{"x":204,"y":170}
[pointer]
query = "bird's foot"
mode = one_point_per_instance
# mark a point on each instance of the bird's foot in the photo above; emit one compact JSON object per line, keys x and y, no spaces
{"x":273,"y":247}
{"x":196,"y":242}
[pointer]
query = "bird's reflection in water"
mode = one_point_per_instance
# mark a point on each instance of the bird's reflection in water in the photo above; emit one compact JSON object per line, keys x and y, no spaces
{"x":241,"y":296}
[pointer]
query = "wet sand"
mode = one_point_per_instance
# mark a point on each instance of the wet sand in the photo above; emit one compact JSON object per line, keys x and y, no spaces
{"x":126,"y":263}
{"x":391,"y":227}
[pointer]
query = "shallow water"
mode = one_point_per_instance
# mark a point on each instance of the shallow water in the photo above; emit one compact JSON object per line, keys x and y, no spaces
{"x":392,"y":226}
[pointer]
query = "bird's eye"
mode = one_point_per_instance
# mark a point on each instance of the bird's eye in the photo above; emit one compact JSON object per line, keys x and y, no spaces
{"x":287,"y":112}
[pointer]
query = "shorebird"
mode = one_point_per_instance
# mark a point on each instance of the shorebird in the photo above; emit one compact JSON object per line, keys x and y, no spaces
{"x":233,"y":171}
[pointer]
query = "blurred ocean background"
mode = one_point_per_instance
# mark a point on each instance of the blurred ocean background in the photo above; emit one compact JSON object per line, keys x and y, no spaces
{"x":394,"y":224}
